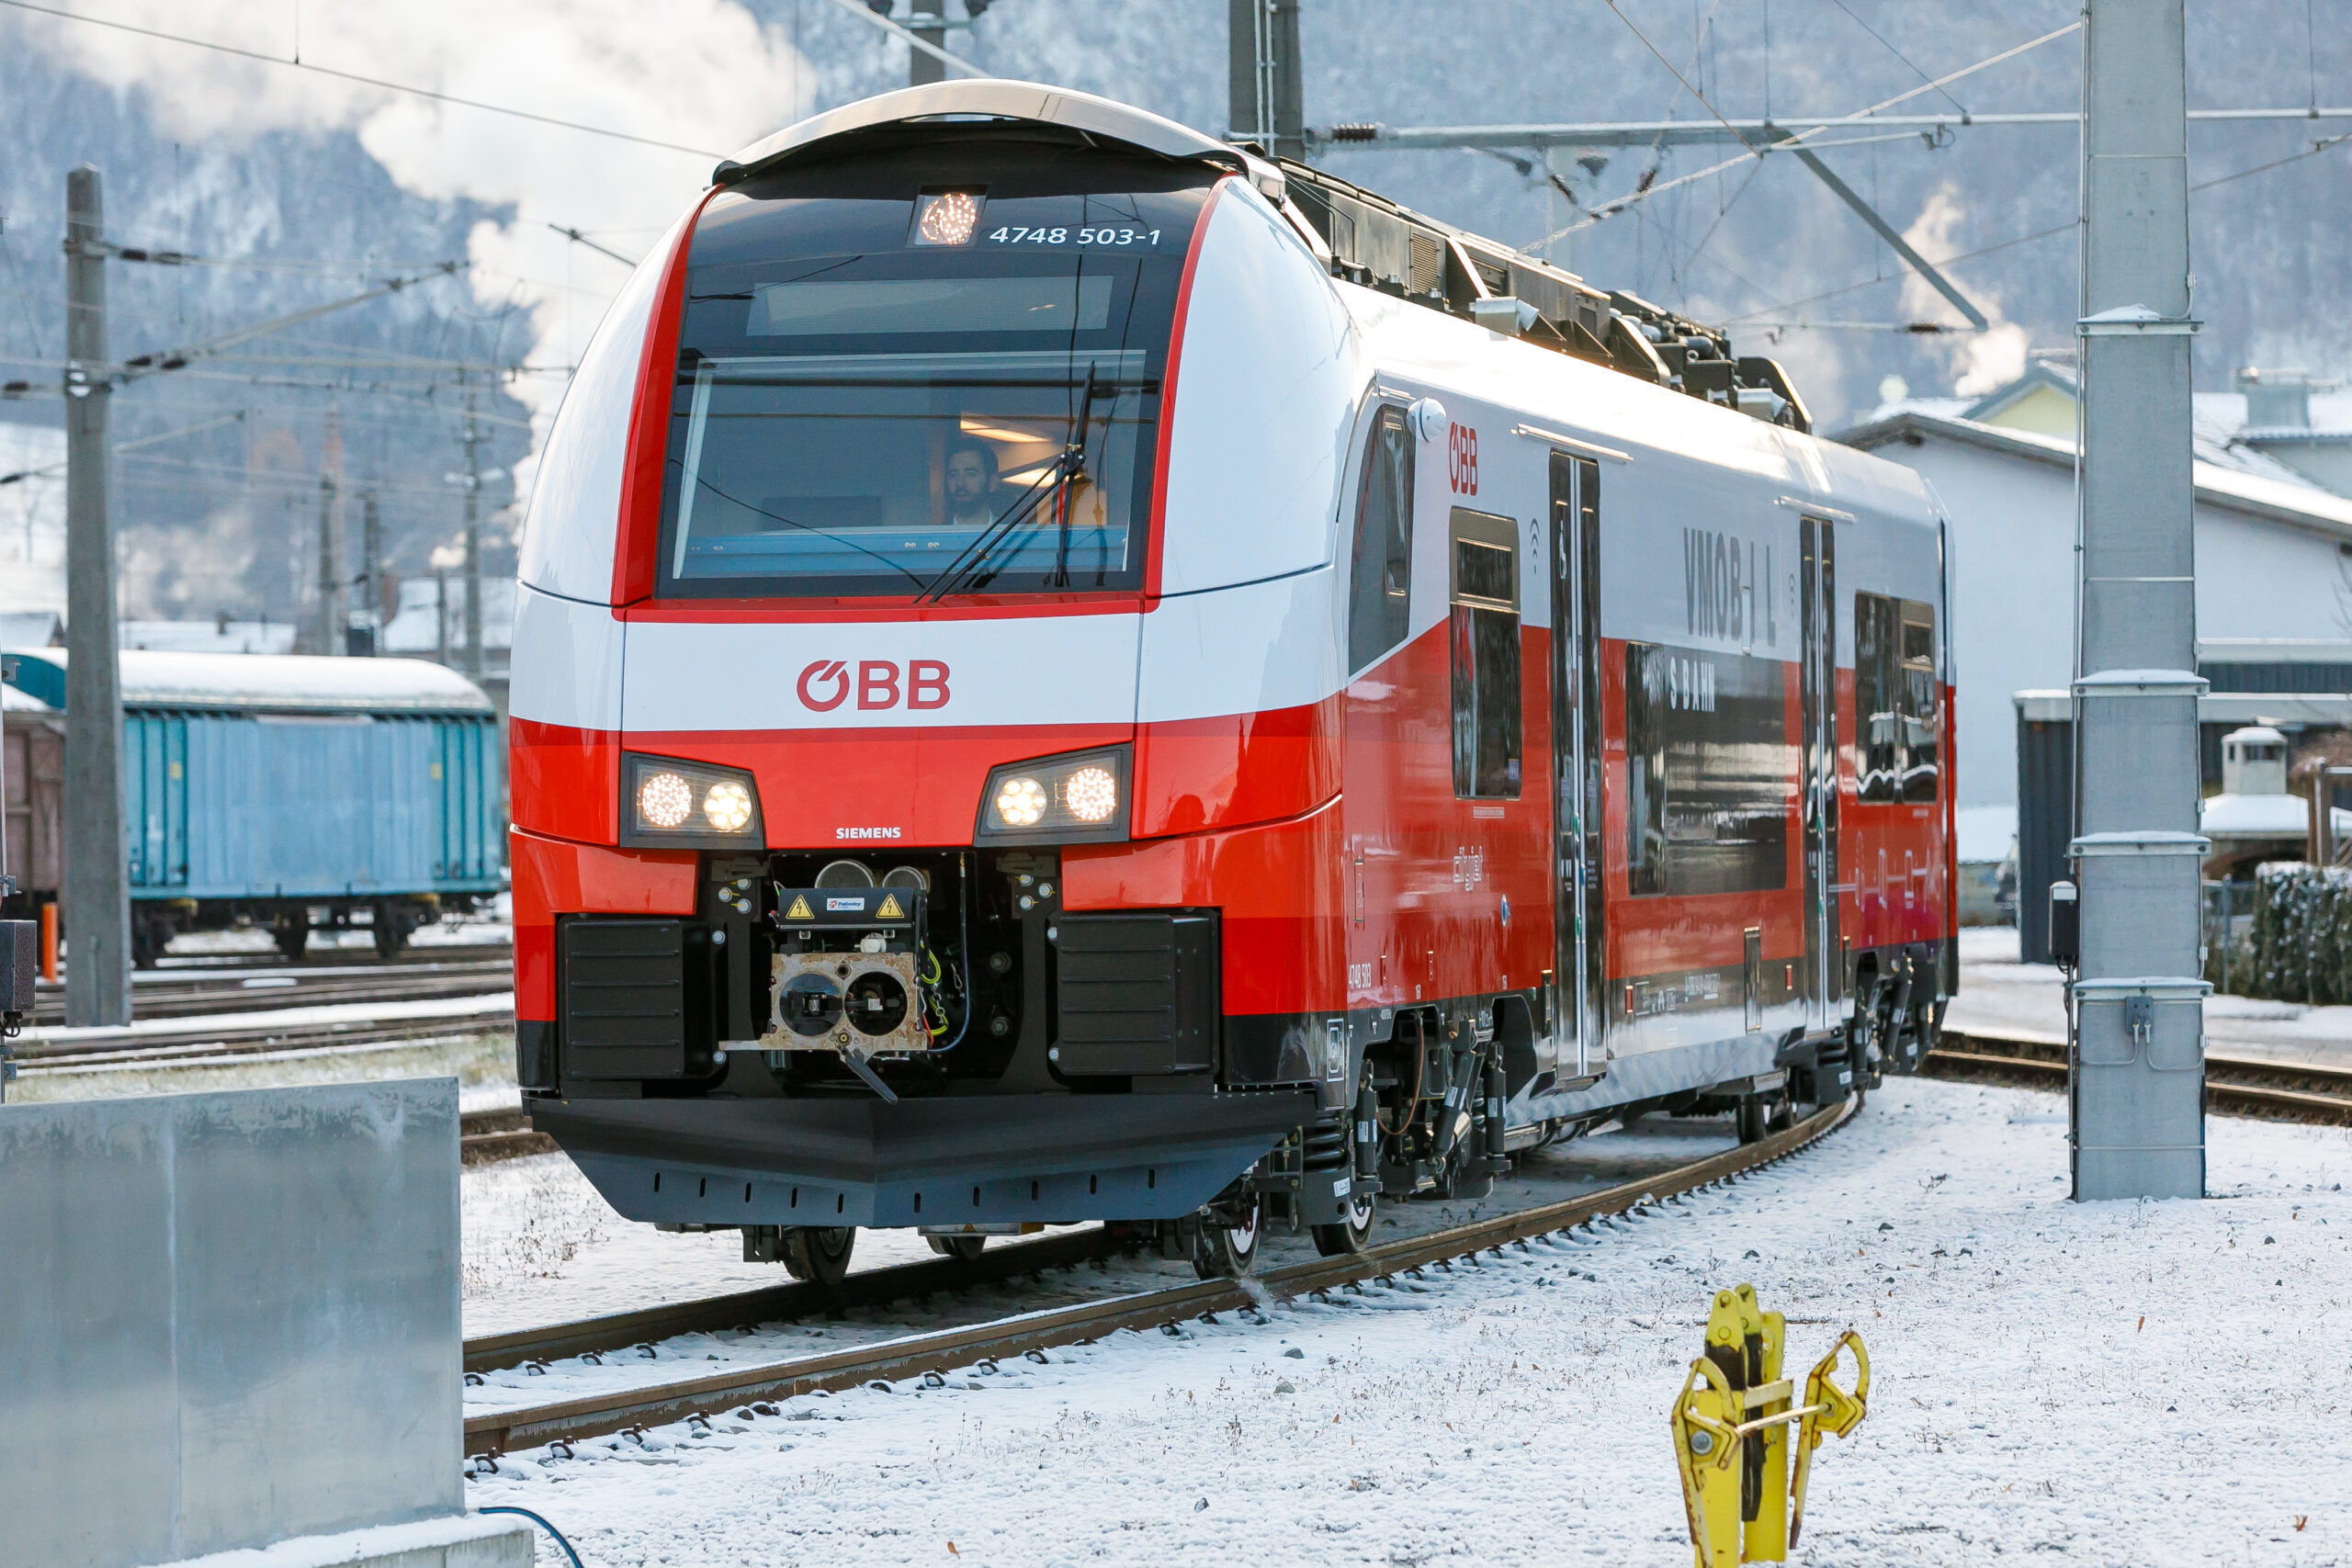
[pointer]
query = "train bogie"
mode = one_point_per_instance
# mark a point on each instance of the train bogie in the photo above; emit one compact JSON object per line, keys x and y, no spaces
{"x":1322,"y":743}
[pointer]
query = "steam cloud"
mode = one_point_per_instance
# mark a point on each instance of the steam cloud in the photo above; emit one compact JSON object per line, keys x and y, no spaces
{"x":1981,"y":362}
{"x":702,"y":74}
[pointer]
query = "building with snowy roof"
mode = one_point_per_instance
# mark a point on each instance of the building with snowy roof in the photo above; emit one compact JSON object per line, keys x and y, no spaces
{"x":2274,"y":565}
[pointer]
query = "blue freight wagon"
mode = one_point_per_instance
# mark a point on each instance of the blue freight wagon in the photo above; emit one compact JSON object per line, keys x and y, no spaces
{"x":295,"y":793}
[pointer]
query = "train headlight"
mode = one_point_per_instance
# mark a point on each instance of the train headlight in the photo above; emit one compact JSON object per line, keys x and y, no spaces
{"x":669,"y":803}
{"x":663,"y":801}
{"x":728,"y":804}
{"x":1075,"y":798}
{"x":1020,"y":802}
{"x":1091,"y":793}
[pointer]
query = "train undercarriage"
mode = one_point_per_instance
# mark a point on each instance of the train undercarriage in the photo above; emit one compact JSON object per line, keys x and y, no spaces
{"x":931,"y":1040}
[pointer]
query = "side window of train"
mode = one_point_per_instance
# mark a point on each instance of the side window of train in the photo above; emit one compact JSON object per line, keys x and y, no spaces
{"x":1483,"y":631}
{"x":1878,"y":740}
{"x":1380,"y":579}
{"x":1917,"y":701}
{"x":1709,"y":762}
{"x":1896,"y":702}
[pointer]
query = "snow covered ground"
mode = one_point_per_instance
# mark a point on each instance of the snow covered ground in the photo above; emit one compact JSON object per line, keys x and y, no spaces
{"x":1998,"y":995}
{"x":2119,"y":1383}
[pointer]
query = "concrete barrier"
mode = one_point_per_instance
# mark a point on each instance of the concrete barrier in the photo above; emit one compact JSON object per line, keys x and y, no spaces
{"x":227,"y":1319}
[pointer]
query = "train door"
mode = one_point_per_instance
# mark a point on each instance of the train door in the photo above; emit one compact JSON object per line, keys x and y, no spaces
{"x":1825,"y":970}
{"x":1385,"y":944}
{"x":1576,"y":760}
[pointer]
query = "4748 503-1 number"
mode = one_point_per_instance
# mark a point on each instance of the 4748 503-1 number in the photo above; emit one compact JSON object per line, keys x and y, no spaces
{"x":1010,"y":235}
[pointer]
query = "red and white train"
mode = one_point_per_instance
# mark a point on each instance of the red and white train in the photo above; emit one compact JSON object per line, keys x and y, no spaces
{"x":1065,"y":672}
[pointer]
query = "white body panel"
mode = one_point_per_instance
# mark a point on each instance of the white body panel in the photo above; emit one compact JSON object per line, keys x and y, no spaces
{"x":1015,"y":671}
{"x":569,"y":533}
{"x":1248,"y":649}
{"x":1266,"y":387}
{"x":572,"y":675}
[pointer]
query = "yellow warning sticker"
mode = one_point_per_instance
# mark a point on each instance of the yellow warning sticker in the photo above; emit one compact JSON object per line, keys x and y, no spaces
{"x":889,"y":910}
{"x":799,"y":911}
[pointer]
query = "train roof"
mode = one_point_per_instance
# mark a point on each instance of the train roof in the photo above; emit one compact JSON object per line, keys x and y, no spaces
{"x":266,"y":683}
{"x":985,"y":99}
{"x":1359,"y":236}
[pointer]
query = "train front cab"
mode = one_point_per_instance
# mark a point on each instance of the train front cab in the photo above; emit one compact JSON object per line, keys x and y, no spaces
{"x":924,"y":785}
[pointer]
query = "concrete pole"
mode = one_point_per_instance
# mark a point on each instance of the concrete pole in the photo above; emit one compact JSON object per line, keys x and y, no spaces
{"x":2138,"y":1063}
{"x":474,"y":439}
{"x":96,"y":895}
{"x":924,"y":69}
{"x":1265,"y":92}
{"x":371,"y":541}
{"x":335,"y":618}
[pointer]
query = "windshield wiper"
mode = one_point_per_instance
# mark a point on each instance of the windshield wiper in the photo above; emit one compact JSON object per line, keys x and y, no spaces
{"x":1069,"y":465}
{"x":1066,"y":469}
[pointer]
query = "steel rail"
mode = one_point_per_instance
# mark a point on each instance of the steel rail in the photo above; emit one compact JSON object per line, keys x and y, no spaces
{"x":777,"y":1303}
{"x":2234,"y":1086}
{"x":485,"y":1136}
{"x":202,"y":1038}
{"x":233,"y":992}
{"x":935,"y":1354}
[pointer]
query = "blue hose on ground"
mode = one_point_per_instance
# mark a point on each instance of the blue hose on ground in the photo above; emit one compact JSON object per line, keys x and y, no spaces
{"x":543,"y":1525}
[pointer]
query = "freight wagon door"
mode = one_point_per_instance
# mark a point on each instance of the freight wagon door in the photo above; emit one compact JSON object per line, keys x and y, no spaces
{"x":1824,"y":971}
{"x":1576,"y":760}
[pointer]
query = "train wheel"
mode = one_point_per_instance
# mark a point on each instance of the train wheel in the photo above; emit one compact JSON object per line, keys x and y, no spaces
{"x":964,"y":1246}
{"x":390,"y":929}
{"x":292,"y":933}
{"x":819,"y":1254}
{"x":1754,"y":1113}
{"x":1227,"y":1249}
{"x":1349,"y":1236}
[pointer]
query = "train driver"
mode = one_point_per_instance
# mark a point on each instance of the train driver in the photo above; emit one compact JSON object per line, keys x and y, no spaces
{"x":971,"y":483}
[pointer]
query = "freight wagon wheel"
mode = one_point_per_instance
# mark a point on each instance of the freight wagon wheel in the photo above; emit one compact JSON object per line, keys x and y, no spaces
{"x":964,"y":1246}
{"x":292,"y":933}
{"x":819,"y":1254}
{"x":392,"y":926}
{"x":1227,"y":1248}
{"x":1349,"y":1236}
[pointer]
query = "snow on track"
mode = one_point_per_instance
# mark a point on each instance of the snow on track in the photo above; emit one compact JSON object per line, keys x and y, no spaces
{"x":2119,"y":1383}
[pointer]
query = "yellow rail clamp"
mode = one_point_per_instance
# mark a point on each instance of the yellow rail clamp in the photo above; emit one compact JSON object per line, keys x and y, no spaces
{"x":1734,"y":1404}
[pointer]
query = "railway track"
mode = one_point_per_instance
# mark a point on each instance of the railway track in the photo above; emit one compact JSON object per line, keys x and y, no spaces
{"x":188,"y":992}
{"x":487,"y":1136}
{"x":204,"y":1038}
{"x":751,"y":1389}
{"x":2234,"y":1086}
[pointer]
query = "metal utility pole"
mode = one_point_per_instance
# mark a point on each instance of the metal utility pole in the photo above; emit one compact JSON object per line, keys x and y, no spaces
{"x":371,"y":541}
{"x":334,"y":617}
{"x":924,"y":69}
{"x":2138,"y":1062}
{"x":1265,"y":94}
{"x":96,"y":894}
{"x":474,"y":439}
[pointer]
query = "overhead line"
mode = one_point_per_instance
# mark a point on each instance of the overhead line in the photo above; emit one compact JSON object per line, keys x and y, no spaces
{"x":377,"y":81}
{"x":1755,"y":319}
{"x":1610,"y":209}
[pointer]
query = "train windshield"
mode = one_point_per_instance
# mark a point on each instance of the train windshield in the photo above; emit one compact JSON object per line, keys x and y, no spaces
{"x":952,"y":392}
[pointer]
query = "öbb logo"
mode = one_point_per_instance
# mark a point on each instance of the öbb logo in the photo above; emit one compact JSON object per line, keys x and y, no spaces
{"x":1462,"y":459}
{"x":826,"y":684}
